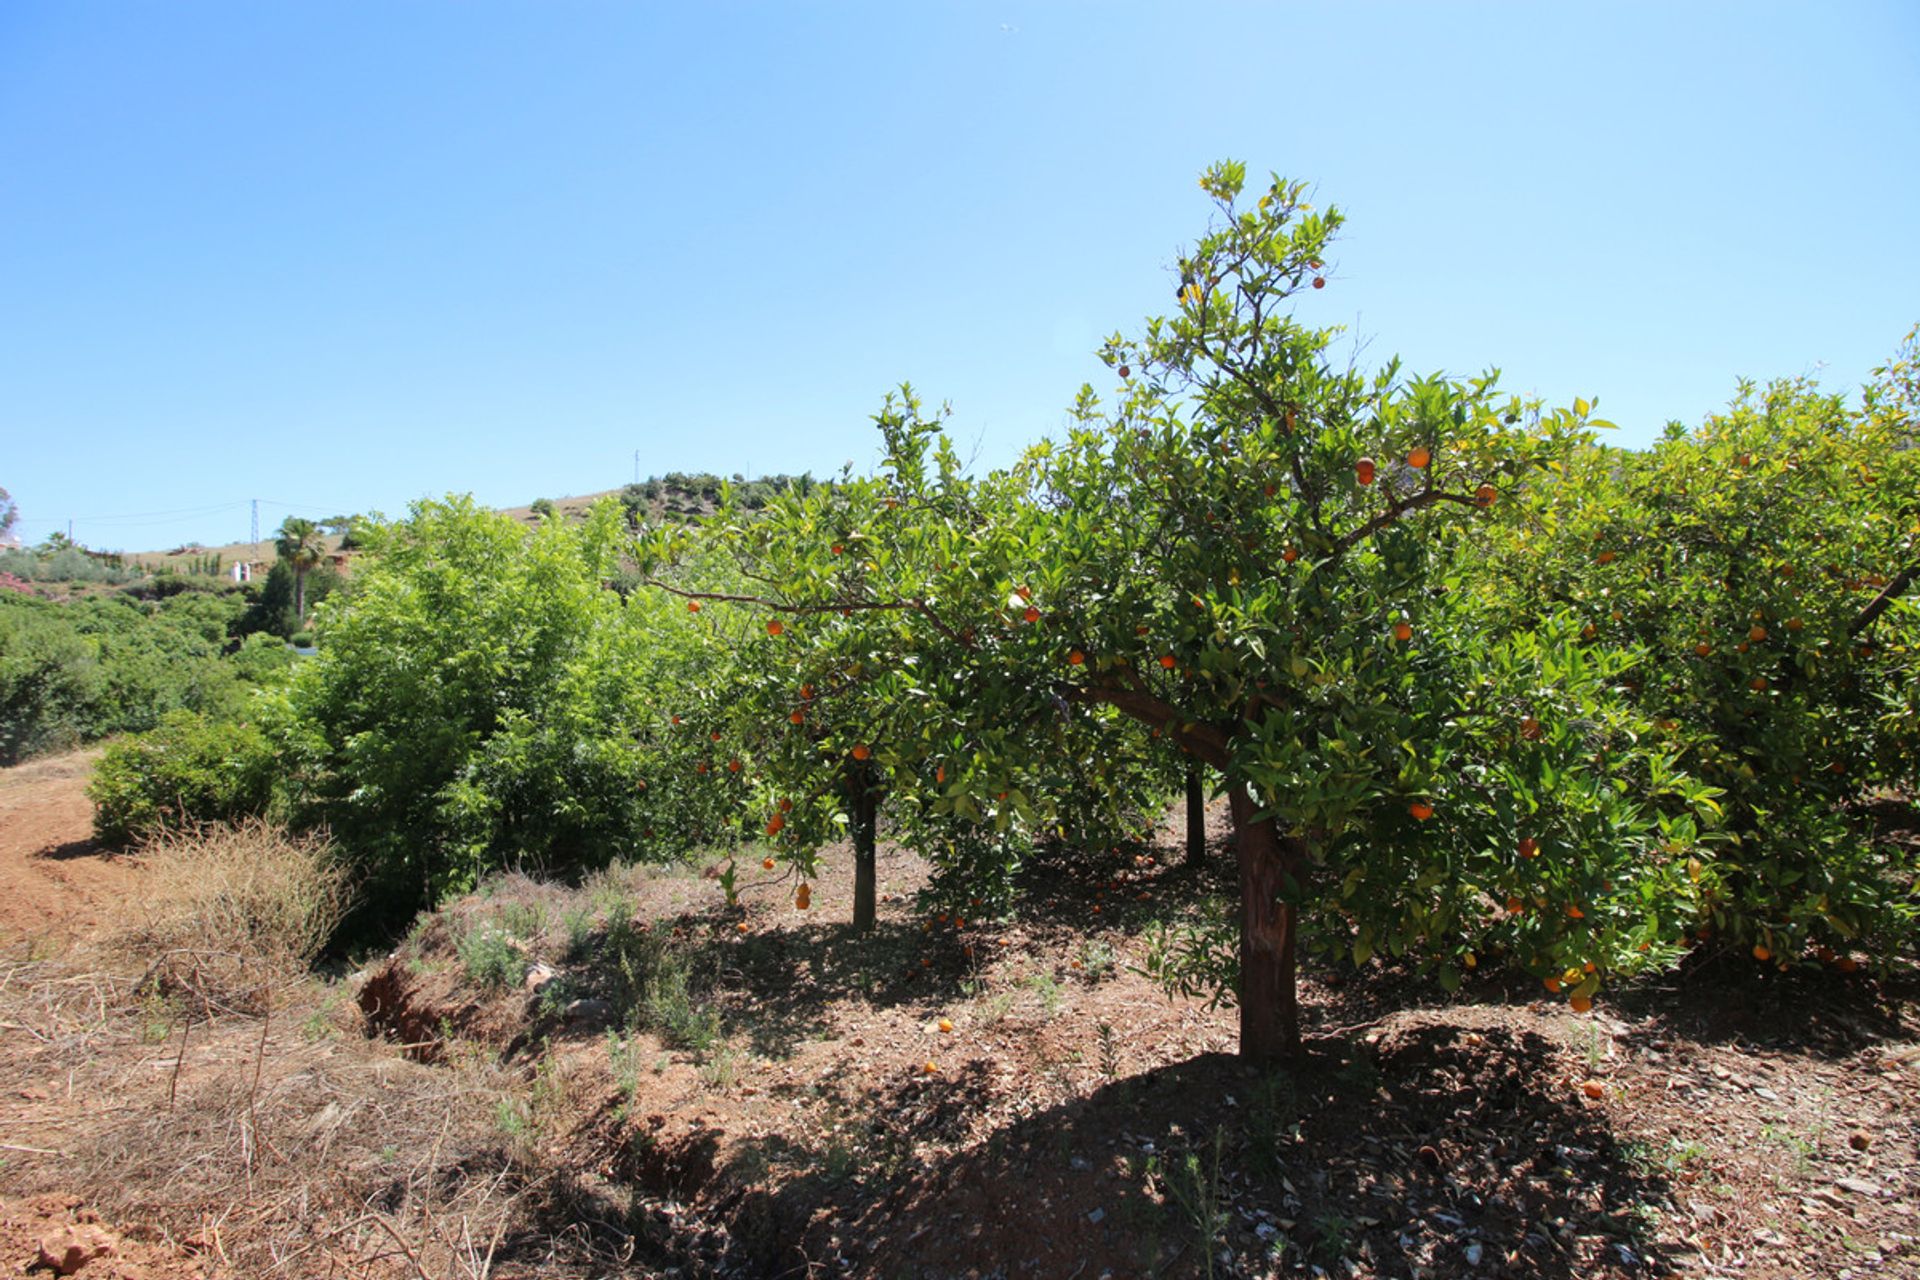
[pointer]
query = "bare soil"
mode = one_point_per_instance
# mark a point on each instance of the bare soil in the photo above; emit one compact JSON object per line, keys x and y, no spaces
{"x":798,"y":1110}
{"x":56,"y":884}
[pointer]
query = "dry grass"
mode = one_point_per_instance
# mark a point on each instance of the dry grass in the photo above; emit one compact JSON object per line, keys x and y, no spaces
{"x":236,"y":913}
{"x":279,"y":1144}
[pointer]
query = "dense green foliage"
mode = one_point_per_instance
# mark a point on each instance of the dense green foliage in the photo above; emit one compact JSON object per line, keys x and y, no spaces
{"x":74,"y":671}
{"x":187,"y":770}
{"x":271,"y":608}
{"x":1755,"y":569}
{"x":844,"y":701}
{"x":485,"y":700}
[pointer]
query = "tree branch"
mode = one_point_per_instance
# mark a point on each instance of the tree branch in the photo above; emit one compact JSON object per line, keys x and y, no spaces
{"x":1879,"y":604}
{"x":1208,"y":744}
{"x":1396,"y":509}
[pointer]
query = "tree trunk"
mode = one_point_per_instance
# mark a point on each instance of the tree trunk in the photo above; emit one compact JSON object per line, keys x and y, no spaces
{"x":864,"y":807}
{"x":299,"y":597}
{"x":1269,"y":1004}
{"x":1196,"y":815}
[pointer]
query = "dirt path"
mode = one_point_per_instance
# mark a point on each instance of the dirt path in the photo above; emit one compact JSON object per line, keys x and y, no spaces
{"x":56,"y":885}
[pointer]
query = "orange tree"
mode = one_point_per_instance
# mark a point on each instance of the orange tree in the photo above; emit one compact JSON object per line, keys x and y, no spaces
{"x":1256,"y":552}
{"x":853,"y":681}
{"x":1763,"y":567}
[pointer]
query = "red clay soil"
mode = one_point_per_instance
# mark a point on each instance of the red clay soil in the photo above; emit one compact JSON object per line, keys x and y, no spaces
{"x":56,"y":884}
{"x":57,"y":1235}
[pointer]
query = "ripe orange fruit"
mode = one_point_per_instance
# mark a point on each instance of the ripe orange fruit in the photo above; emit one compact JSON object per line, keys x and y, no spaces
{"x":946,"y":1026}
{"x":775,"y":825}
{"x":1757,"y":633}
{"x":715,"y":735}
{"x":1076,"y":658}
{"x":798,"y":717}
{"x":693,"y":606}
{"x":861,"y":751}
{"x":838,"y":549}
{"x":1167,"y":661}
{"x":1581,"y":1003}
{"x":786,"y":806}
{"x":940,"y":774}
{"x":1529,"y":847}
{"x":927,"y":1068}
{"x":1761,"y":953}
{"x":741,"y":927}
{"x":1319,"y":282}
{"x":1290,"y":555}
{"x":701,"y":767}
{"x":803,"y":897}
{"x":1605,"y":557}
{"x":1758,"y":684}
{"x":1552,"y":984}
{"x":1125,"y":372}
{"x":1848,"y":964}
{"x":1530,"y":729}
{"x":733,"y":766}
{"x":1484,"y":495}
{"x":1514,"y":905}
{"x":1402,"y":632}
{"x":1420,"y":810}
{"x":1364,"y":470}
{"x":1594,"y":1089}
{"x":1419,"y":457}
{"x":1574,"y":912}
{"x":767,"y":863}
{"x":1795,"y":624}
{"x":1032,"y":614}
{"x":775,"y":627}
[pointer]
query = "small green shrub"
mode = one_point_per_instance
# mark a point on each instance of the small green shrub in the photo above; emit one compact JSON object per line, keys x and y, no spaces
{"x":186,"y":771}
{"x":490,"y":959}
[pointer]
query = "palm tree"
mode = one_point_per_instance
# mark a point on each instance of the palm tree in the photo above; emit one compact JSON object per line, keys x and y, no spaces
{"x":300,"y":545}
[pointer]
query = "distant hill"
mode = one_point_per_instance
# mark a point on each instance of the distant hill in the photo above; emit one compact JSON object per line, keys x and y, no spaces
{"x":677,"y":495}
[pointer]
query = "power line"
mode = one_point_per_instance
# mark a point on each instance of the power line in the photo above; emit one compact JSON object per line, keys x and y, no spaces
{"x":137,"y":515}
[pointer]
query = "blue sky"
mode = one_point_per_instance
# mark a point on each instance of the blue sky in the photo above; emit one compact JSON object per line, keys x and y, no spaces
{"x":339,"y":256}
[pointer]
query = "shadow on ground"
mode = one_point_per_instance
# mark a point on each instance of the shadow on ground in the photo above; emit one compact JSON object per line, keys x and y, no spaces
{"x":1437,"y":1151}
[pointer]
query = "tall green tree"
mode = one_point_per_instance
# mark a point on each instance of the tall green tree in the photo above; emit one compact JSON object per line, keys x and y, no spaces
{"x":485,"y":698}
{"x":1257,"y":553}
{"x":301,"y":544}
